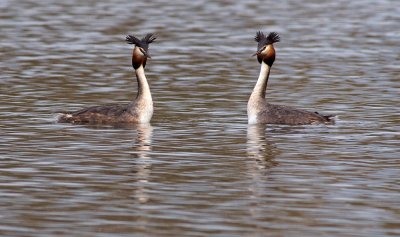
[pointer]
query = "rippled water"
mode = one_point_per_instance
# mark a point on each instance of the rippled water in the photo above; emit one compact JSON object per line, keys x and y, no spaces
{"x":198,"y":169}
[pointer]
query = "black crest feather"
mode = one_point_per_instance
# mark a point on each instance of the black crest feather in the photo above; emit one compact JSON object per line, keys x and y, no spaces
{"x":143,"y":43}
{"x":149,"y":38}
{"x":263,"y":40}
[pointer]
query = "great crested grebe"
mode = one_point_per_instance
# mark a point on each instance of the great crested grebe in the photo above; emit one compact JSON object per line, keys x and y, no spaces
{"x":140,"y":110}
{"x":258,"y":110}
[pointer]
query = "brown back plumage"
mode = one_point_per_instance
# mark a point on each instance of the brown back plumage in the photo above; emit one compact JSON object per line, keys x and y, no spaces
{"x":280,"y":114}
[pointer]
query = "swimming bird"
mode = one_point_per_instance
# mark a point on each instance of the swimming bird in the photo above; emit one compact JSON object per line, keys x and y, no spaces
{"x":259,"y":111}
{"x":140,"y":110}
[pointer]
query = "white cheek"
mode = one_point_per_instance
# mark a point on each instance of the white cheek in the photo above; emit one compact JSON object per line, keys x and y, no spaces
{"x":138,"y":51}
{"x":265,"y":51}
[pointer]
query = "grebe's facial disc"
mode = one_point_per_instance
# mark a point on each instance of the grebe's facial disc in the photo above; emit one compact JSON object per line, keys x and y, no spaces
{"x":265,"y":49}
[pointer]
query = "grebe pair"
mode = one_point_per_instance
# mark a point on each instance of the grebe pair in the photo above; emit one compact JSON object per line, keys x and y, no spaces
{"x":140,"y":110}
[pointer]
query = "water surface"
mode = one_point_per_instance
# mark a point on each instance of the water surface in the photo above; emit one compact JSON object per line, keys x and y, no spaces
{"x":199,"y":169}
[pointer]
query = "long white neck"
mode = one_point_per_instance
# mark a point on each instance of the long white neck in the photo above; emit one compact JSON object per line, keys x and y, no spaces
{"x":143,"y":85}
{"x":142,"y":106}
{"x":257,"y":98}
{"x":261,"y":85}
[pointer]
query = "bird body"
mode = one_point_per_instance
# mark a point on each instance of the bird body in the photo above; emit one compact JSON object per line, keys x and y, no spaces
{"x":259,"y":111}
{"x":140,"y":110}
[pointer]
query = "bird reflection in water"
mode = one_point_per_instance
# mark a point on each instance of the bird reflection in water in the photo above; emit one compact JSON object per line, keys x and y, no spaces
{"x":259,"y":149}
{"x":142,"y":166}
{"x":261,"y":158}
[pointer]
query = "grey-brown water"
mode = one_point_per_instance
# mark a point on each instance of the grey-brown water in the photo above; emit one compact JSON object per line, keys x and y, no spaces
{"x":199,"y":170}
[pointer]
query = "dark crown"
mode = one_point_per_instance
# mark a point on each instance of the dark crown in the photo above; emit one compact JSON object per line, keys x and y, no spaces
{"x":262,"y":40}
{"x":143,"y":43}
